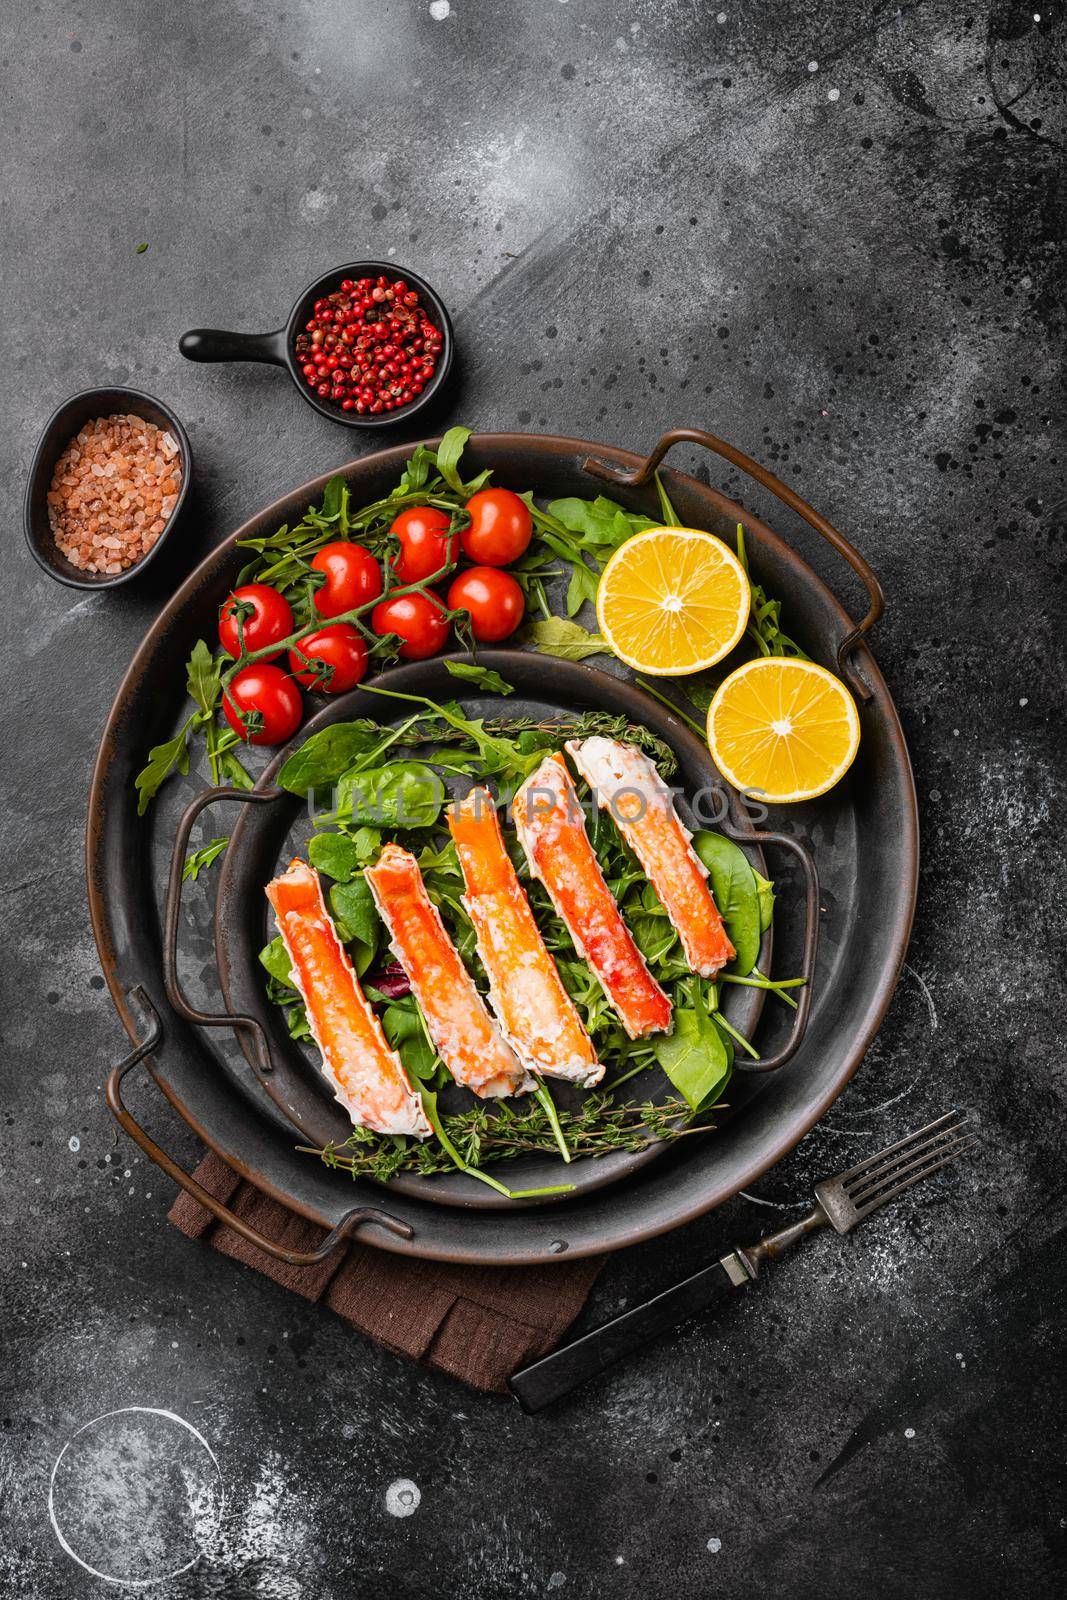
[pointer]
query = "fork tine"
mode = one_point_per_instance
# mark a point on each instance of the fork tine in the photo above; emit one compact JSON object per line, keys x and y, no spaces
{"x":898,"y":1170}
{"x":885,"y":1166}
{"x":909,"y":1183}
{"x":901,"y":1144}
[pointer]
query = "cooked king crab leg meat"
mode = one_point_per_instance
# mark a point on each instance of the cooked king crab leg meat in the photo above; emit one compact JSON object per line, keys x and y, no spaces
{"x":367,"y":1077}
{"x":466,"y":1037}
{"x":628,"y":787}
{"x":537,"y":1014}
{"x":550,"y":824}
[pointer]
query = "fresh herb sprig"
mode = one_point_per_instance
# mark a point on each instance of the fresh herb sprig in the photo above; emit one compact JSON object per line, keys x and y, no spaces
{"x":510,"y":1129}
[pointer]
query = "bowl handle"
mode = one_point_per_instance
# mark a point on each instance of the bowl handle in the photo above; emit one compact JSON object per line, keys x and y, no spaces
{"x":341,"y":1234}
{"x":802,"y":1015}
{"x":789,"y":497}
{"x":172,"y":927}
{"x":219,"y":344}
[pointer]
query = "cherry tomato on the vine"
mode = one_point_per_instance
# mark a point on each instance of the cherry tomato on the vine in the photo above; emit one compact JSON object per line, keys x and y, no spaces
{"x":425,"y":545}
{"x":340,"y":648}
{"x":353,"y":578}
{"x":501,"y":528}
{"x":493,"y":598}
{"x":270,"y":619}
{"x":419,"y":620}
{"x":272,"y":699}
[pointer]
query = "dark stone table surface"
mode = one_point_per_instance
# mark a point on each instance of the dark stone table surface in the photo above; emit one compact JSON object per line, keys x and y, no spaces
{"x":832,"y":233}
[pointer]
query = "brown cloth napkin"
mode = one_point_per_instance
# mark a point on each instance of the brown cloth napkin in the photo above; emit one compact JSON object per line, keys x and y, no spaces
{"x":479,"y":1324}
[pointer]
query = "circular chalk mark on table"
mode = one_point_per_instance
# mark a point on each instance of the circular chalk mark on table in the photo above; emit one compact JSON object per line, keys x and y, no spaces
{"x":402,"y":1498}
{"x":135,"y":1496}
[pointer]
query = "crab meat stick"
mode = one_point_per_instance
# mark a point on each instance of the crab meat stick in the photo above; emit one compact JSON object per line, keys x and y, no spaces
{"x":537,"y":1014}
{"x":467,"y":1039}
{"x":628,"y":787}
{"x":367,"y":1077}
{"x":550,"y":824}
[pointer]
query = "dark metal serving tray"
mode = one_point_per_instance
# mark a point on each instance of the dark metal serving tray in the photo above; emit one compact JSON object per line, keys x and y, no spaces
{"x":864,"y":837}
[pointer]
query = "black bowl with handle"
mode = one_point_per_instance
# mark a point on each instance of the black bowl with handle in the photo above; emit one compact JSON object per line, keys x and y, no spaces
{"x":278,"y":349}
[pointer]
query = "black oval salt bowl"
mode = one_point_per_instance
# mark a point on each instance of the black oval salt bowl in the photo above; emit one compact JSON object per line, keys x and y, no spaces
{"x":59,"y":430}
{"x":278,"y":349}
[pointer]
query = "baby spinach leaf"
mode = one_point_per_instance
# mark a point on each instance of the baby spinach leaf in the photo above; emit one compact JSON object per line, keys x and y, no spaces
{"x":484,"y":677}
{"x":354,"y":912}
{"x":399,"y":794}
{"x":404,"y":1028}
{"x":335,"y":854}
{"x":556,"y":636}
{"x":275,"y":958}
{"x":733,"y":883}
{"x":765,"y":891}
{"x":694,"y":1056}
{"x":328,"y":754}
{"x":356,"y":919}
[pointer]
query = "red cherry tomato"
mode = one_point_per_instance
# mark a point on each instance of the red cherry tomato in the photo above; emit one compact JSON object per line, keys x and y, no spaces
{"x":353,"y":578}
{"x":425,"y":546}
{"x":271,"y":619}
{"x":493,"y":598}
{"x":501,"y":528}
{"x":272,"y":698}
{"x":418,"y":619}
{"x":341,"y":648}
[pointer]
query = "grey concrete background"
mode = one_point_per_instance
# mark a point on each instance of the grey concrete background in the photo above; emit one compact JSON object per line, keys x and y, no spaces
{"x":832,"y":233}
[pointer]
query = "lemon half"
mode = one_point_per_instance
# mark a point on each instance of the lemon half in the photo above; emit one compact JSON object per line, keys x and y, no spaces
{"x":782,"y":729}
{"x":673,"y":601}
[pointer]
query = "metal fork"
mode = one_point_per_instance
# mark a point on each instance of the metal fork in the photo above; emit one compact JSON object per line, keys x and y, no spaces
{"x":840,"y":1203}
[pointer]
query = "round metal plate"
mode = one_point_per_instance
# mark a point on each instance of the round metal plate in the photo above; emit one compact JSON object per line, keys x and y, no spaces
{"x":864,"y":837}
{"x":265,"y":838}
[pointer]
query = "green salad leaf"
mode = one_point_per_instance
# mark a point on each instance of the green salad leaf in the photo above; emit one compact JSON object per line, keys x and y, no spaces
{"x":324,"y":758}
{"x":556,"y":636}
{"x":484,"y":677}
{"x":733,"y":884}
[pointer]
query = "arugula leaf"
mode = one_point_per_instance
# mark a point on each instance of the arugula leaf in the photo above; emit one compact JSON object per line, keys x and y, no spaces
{"x":448,"y":453}
{"x":670,"y":516}
{"x":602,"y":522}
{"x":484,"y":677}
{"x":329,"y":754}
{"x":399,"y":794}
{"x":198,"y":860}
{"x":203,"y":678}
{"x":163,"y":759}
{"x":733,"y":884}
{"x":230,"y":767}
{"x":568,"y":640}
{"x":499,"y":755}
{"x":335,"y":503}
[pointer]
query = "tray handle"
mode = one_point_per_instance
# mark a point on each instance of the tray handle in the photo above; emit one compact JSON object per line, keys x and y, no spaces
{"x":341,"y":1234}
{"x":642,"y":474}
{"x":172,"y":919}
{"x":785,"y":841}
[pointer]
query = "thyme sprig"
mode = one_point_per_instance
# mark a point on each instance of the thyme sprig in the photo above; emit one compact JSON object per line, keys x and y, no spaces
{"x":483,"y":1136}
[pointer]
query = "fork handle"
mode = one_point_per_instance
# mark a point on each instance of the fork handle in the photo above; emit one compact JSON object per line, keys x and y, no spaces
{"x":557,"y":1374}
